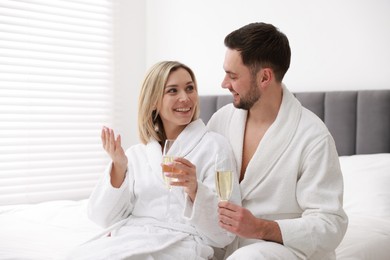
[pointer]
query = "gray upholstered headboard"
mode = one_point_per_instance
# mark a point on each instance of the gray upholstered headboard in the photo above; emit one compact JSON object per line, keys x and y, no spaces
{"x":358,"y":120}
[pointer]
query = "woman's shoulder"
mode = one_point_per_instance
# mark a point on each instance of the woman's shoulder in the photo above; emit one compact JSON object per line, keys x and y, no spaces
{"x":136,"y":149}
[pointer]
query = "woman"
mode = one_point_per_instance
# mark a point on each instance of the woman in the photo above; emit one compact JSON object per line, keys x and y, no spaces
{"x":132,"y":194}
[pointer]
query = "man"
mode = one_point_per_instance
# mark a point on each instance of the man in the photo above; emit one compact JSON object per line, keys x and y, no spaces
{"x":290,"y":178}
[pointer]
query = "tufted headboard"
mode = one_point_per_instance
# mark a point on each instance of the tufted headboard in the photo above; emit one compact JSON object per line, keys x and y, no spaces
{"x":359,"y":121}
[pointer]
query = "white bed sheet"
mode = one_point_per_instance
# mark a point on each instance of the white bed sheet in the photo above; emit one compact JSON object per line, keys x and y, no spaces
{"x":367,"y":204}
{"x":367,"y":238}
{"x":44,"y":231}
{"x":50,"y":230}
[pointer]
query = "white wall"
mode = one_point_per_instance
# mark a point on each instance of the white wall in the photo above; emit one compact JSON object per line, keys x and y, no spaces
{"x":336,"y":44}
{"x":129,"y":49}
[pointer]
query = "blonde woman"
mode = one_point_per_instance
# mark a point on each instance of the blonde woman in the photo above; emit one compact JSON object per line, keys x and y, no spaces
{"x":132,"y":191}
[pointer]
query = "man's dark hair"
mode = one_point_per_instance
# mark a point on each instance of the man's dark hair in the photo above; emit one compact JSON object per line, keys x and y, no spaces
{"x":261,"y":46}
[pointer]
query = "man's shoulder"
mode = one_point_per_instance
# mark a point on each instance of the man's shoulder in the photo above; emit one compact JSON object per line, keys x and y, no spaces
{"x":216,"y":137}
{"x":222,"y":114}
{"x":216,"y":141}
{"x":312,"y":123}
{"x":220,"y":120}
{"x":226,"y":110}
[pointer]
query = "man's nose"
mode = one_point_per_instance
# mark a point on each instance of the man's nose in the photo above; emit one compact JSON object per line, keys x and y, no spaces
{"x":225,"y":83}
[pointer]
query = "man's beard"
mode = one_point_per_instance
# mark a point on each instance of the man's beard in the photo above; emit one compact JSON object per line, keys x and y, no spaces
{"x":247,"y":101}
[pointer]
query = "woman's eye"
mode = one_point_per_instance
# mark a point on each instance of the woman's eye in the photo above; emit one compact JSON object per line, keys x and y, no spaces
{"x":171,"y":90}
{"x":190,"y":88}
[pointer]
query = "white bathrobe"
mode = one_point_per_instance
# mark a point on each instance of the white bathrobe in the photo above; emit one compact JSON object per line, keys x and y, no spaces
{"x":293,"y":178}
{"x":138,"y":207}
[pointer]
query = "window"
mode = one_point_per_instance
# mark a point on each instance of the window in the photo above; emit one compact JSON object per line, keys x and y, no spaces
{"x":56,"y":93}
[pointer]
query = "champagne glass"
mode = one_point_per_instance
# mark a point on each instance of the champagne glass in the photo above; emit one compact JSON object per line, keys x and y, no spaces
{"x":223,"y":176}
{"x":168,"y":159}
{"x":170,"y":148}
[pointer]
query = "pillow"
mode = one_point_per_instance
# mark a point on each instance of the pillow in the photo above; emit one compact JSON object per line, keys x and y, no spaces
{"x":366,"y":184}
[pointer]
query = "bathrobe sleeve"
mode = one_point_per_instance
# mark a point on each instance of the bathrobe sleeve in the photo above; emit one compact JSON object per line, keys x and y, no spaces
{"x":107,"y":204}
{"x":202,"y":213}
{"x":319,"y":193}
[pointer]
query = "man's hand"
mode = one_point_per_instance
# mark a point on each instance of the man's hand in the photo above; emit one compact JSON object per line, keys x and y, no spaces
{"x":243,"y":223}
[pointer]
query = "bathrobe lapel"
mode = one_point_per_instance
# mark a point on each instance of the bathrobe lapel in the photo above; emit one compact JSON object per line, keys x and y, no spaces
{"x":190,"y":137}
{"x":236,"y":135}
{"x":273,"y":144}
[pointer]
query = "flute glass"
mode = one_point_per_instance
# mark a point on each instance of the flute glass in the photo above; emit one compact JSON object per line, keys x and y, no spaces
{"x":223,"y":176}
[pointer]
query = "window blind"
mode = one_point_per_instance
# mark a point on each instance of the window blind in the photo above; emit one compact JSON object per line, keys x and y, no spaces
{"x":56,"y":93}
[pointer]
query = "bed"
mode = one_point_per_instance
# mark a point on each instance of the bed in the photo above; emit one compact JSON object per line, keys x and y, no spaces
{"x":360,"y":124}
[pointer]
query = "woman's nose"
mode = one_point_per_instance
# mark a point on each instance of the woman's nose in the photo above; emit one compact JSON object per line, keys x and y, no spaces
{"x":183,"y":96}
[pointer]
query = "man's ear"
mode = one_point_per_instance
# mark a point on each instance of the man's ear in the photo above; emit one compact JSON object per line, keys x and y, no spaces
{"x":264,"y":77}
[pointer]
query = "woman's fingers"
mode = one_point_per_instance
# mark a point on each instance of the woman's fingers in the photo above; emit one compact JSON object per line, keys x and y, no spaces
{"x":118,"y":141}
{"x":184,"y":161}
{"x":184,"y":172}
{"x":103,"y":136}
{"x":113,"y":146}
{"x":108,"y":139}
{"x":181,"y":171}
{"x":111,"y":141}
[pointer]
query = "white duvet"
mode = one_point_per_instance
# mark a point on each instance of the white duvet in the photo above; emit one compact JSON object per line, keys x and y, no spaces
{"x":43,"y":231}
{"x":49,"y":230}
{"x":367,"y":238}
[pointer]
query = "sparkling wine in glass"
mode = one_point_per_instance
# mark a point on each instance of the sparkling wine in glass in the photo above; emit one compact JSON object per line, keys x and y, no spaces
{"x":167,"y":161}
{"x":223,"y":176}
{"x":168,"y":155}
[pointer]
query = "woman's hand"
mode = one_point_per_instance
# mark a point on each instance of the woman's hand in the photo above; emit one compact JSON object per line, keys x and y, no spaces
{"x":119,"y":160}
{"x":185,"y":174}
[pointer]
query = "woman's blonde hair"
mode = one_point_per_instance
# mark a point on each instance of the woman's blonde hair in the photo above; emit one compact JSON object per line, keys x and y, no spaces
{"x":150,"y":99}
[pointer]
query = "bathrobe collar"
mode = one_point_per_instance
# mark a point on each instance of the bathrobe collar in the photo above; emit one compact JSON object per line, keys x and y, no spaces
{"x":272,"y":145}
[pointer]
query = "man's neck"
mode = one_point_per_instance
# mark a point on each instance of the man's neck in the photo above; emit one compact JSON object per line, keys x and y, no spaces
{"x":267,"y":108}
